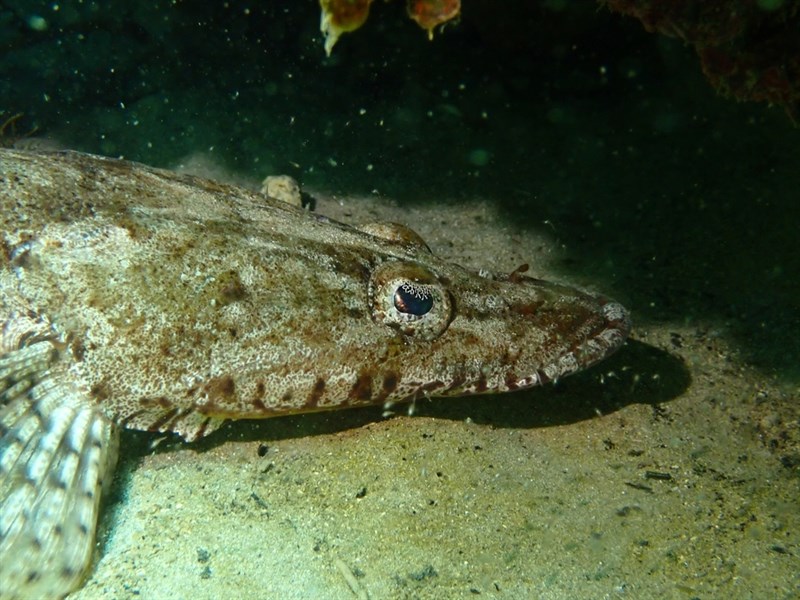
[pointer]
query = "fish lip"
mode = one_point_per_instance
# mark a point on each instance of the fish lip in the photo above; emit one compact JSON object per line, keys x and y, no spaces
{"x":618,"y":318}
{"x":607,"y":338}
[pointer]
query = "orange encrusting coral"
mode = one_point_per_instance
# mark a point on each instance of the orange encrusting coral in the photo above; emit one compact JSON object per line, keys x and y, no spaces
{"x":341,"y":16}
{"x":430,"y":13}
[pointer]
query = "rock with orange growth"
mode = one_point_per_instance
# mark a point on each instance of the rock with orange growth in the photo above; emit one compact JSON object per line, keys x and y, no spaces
{"x":341,"y":16}
{"x":430,"y":13}
{"x":748,"y":49}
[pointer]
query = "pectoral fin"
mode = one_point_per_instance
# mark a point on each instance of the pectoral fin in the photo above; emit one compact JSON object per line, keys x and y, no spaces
{"x":56,"y":450}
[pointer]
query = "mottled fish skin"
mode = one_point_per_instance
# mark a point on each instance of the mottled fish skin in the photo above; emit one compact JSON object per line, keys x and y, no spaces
{"x":156,"y":301}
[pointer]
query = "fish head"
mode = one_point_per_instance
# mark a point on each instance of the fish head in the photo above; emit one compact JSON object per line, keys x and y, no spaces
{"x":378,"y":318}
{"x":461,"y":332}
{"x":371,"y":316}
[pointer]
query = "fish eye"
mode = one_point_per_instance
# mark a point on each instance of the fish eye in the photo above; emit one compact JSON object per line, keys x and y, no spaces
{"x":409,"y":298}
{"x":413,"y":299}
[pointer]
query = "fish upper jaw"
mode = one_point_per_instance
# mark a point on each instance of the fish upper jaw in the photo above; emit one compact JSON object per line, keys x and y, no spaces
{"x":606,"y":338}
{"x":539,"y":333}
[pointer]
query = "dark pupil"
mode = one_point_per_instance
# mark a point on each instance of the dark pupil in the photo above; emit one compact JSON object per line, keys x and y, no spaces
{"x":412,"y":300}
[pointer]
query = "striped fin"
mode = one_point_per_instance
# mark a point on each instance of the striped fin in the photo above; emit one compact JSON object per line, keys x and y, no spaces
{"x":56,"y":449}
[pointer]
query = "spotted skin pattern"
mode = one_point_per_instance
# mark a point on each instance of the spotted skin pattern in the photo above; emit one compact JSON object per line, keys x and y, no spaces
{"x":137,"y":297}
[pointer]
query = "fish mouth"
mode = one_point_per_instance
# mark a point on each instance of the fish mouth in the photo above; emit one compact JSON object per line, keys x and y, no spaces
{"x":606,"y":338}
{"x":608,"y":326}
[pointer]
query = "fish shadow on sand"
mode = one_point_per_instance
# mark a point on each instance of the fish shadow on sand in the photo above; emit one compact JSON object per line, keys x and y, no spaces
{"x":638,"y":374}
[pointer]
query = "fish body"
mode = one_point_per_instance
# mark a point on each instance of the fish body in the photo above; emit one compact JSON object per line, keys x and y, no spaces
{"x":136,"y":297}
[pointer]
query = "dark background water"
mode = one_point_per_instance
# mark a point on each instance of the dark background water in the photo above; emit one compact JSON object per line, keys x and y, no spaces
{"x":681,"y":203}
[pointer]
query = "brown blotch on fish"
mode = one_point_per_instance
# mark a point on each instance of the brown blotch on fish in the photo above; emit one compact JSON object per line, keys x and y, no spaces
{"x":390,"y":381}
{"x":511,"y":381}
{"x":525,"y":308}
{"x":5,"y":252}
{"x":316,"y":393}
{"x":100,"y":391}
{"x":204,"y":426}
{"x":431,"y":386}
{"x":458,"y":380}
{"x":161,"y":401}
{"x":258,"y":398}
{"x":355,"y":313}
{"x":78,"y":349}
{"x":362,"y":389}
{"x":220,"y":389}
{"x":165,"y":418}
{"x":230,"y":288}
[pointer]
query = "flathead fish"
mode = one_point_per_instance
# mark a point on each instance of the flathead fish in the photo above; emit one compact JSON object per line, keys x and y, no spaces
{"x":135,"y":297}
